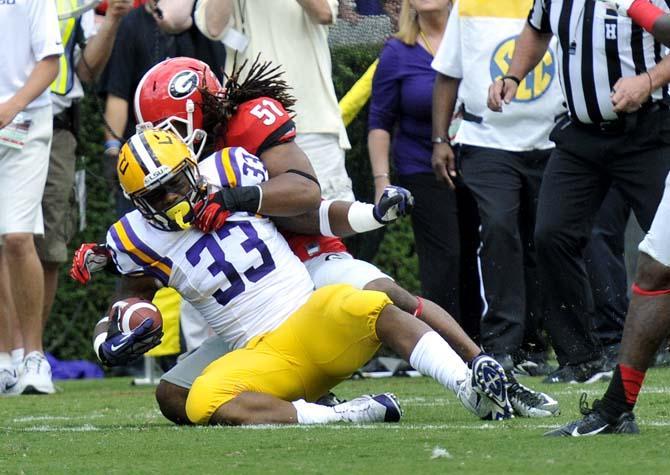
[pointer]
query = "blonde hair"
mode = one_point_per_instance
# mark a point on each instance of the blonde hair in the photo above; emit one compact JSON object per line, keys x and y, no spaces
{"x":408,"y":24}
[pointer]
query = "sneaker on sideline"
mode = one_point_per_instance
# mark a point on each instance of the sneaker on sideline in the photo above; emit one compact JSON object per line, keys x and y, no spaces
{"x":380,"y":408}
{"x":589,"y":372}
{"x":8,"y":380}
{"x":35,"y":375}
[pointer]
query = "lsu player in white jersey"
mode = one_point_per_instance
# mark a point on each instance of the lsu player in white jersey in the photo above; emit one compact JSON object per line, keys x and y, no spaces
{"x":290,"y":345}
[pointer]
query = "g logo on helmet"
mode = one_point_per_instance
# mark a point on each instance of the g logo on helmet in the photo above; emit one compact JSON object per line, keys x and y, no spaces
{"x":183,"y":84}
{"x":538,"y":80}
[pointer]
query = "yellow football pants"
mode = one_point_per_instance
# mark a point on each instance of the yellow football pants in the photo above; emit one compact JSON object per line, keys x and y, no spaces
{"x":318,"y":346}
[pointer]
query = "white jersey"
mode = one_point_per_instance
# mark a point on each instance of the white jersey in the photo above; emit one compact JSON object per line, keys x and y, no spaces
{"x":477,"y":47}
{"x":243,"y":279}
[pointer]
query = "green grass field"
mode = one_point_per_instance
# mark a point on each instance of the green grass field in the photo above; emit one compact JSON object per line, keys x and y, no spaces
{"x":109,"y":426}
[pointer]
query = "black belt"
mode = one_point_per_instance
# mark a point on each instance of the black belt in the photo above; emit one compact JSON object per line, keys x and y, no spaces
{"x":63,"y":120}
{"x":625,"y":123}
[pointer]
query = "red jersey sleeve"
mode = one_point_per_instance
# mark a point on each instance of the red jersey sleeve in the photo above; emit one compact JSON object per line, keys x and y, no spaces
{"x":258,"y":125}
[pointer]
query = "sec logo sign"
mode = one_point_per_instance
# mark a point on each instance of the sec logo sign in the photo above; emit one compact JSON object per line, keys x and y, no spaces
{"x":538,"y":80}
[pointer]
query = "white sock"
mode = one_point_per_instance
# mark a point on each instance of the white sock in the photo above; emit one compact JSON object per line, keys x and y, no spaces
{"x":310,"y":413}
{"x":5,"y":360}
{"x":432,"y":356}
{"x":17,"y":356}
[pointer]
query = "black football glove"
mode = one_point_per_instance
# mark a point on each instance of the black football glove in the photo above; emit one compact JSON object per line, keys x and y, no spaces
{"x":395,"y":202}
{"x":123,"y":348}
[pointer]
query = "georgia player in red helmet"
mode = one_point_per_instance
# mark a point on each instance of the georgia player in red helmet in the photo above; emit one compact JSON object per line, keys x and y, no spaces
{"x":169,"y":97}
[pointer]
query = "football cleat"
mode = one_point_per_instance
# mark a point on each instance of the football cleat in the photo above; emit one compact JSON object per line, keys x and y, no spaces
{"x":594,"y":423}
{"x":529,"y":403}
{"x":380,"y":408}
{"x":8,"y":380}
{"x":489,"y":380}
{"x":479,"y":405}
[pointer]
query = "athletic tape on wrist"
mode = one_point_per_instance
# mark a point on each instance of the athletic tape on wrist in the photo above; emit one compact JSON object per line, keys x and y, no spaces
{"x":324,"y":220}
{"x":99,"y":340}
{"x":361,"y":217}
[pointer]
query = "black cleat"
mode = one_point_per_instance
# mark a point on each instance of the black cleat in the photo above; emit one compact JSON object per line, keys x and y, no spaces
{"x":528,"y":402}
{"x":589,"y":372}
{"x":594,"y":423}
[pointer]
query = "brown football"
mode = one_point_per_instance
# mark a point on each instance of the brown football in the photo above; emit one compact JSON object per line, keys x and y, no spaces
{"x":134,"y":311}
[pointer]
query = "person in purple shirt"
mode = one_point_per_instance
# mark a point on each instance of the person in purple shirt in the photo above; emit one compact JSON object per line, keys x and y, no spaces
{"x":400,"y":127}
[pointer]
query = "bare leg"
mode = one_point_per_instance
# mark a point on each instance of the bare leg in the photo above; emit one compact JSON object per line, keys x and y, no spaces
{"x":255,"y":408}
{"x":435,"y":317}
{"x":648,"y":319}
{"x":13,"y":336}
{"x":6,"y":308}
{"x":50,"y":288}
{"x":400,"y":330}
{"x":172,"y":402}
{"x":27,"y":286}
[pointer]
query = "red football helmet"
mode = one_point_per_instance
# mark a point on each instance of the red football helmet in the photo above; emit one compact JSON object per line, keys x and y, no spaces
{"x":168,"y":97}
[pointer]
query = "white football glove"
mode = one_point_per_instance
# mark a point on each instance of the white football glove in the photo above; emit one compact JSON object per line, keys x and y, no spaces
{"x":621,"y":6}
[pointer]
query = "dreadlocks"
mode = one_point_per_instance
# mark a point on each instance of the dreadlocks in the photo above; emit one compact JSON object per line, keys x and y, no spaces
{"x":262,"y":80}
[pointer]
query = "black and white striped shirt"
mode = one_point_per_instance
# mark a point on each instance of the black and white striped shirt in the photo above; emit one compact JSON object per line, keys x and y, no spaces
{"x":596,"y":48}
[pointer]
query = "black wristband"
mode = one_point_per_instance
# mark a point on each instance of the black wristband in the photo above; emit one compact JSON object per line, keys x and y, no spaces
{"x":244,"y":198}
{"x":513,"y":78}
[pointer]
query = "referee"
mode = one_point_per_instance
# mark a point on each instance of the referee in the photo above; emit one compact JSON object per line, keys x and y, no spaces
{"x":614,"y":78}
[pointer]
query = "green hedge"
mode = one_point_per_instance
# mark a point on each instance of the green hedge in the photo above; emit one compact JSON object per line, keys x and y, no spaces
{"x":77,"y":308}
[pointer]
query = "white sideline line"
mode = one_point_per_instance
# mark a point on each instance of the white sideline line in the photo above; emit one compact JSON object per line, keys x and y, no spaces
{"x":55,"y":418}
{"x":399,"y":427}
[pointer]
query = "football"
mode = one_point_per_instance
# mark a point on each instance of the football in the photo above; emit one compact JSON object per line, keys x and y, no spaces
{"x":134,"y":311}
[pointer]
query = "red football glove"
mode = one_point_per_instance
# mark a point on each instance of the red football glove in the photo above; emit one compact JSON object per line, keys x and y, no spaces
{"x":90,"y":257}
{"x":211,"y":213}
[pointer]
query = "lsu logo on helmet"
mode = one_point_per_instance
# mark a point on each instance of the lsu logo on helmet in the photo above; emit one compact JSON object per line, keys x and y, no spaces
{"x":159,"y":175}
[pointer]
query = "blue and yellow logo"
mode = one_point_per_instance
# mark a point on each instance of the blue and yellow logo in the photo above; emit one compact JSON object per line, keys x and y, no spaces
{"x":538,"y":80}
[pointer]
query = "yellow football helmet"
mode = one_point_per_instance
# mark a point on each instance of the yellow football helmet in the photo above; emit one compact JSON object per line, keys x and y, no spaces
{"x":159,"y":175}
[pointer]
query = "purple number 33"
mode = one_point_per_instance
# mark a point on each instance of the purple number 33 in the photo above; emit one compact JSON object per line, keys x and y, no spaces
{"x":221,"y":265}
